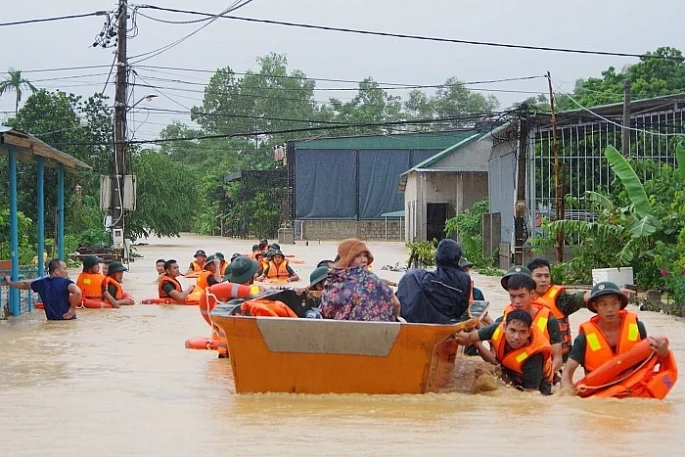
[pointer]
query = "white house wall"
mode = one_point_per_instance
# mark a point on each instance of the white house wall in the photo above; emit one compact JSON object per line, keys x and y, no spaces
{"x":471,"y":157}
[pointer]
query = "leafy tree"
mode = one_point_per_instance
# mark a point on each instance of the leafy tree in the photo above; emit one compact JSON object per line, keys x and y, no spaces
{"x":167,"y":196}
{"x":16,"y":82}
{"x":649,"y":78}
{"x":72,"y":125}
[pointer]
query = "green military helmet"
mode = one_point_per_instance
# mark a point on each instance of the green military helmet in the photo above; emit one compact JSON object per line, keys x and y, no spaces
{"x":514,"y":270}
{"x":605,"y":288}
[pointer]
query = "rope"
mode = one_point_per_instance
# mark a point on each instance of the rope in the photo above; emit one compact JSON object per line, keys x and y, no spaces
{"x":584,"y":388}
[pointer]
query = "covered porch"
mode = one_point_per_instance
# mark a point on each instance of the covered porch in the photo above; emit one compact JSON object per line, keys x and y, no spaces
{"x":16,"y":146}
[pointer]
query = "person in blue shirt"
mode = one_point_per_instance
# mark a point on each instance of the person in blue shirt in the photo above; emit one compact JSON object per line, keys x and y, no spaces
{"x":54,"y":291}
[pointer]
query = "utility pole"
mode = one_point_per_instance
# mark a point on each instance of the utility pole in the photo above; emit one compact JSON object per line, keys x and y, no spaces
{"x":118,"y":216}
{"x":558,"y":195}
{"x":625,"y":133}
{"x":520,"y":212}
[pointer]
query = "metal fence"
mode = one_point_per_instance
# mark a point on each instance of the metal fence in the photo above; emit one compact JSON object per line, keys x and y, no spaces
{"x":27,"y":298}
{"x":581,"y":144}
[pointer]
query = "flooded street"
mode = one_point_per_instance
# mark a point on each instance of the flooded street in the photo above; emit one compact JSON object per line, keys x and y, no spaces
{"x":121,"y":383}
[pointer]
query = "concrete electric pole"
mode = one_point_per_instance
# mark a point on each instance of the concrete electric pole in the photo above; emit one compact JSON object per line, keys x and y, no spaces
{"x":120,"y":111}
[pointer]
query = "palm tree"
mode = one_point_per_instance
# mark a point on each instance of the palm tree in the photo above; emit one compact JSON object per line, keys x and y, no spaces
{"x":15,"y":83}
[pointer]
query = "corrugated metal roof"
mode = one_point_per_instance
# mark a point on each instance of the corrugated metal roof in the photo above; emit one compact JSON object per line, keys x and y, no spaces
{"x":428,"y":140}
{"x":51,"y":154}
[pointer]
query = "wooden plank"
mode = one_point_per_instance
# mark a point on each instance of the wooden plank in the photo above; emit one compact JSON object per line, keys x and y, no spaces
{"x":16,"y":141}
{"x":36,"y":149}
{"x":42,"y":151}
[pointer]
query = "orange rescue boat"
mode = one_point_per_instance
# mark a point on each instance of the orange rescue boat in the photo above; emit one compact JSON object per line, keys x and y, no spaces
{"x":319,"y":356}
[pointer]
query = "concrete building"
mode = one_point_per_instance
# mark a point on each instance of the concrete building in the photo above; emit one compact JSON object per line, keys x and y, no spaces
{"x":347,"y":186}
{"x":444,"y":185}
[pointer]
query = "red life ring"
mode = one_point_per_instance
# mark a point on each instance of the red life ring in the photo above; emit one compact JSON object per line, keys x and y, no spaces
{"x":95,"y":303}
{"x":223,"y":292}
{"x":613,"y":368}
{"x":202,"y":343}
{"x":632,"y":374}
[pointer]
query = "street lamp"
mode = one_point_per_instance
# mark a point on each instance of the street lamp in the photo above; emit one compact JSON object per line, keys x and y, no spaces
{"x":146,"y":98}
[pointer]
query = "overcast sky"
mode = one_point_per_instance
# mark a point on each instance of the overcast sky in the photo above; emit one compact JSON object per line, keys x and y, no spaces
{"x":610,"y":25}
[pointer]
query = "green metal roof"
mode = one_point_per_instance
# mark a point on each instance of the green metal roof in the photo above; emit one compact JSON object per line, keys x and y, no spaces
{"x":428,"y":140}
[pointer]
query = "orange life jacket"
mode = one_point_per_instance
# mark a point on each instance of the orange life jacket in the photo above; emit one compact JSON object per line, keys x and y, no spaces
{"x":280,"y":271}
{"x":471,"y":300}
{"x":90,"y":284}
{"x":202,"y":279}
{"x":540,"y":319}
{"x":119,"y":294}
{"x":597,"y":350}
{"x":515,"y":359}
{"x":197,"y":266}
{"x":164,"y":279}
{"x":222,"y":268}
{"x":267,"y":308}
{"x":549,"y":300}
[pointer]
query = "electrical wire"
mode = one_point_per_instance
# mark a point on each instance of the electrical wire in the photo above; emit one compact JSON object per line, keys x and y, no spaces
{"x":50,"y":70}
{"x":417,"y":37}
{"x":294,"y":130}
{"x":154,"y":53}
{"x":53,"y":19}
{"x":241,"y":116}
{"x":109,"y":75}
{"x":381,"y":86}
{"x":609,"y":121}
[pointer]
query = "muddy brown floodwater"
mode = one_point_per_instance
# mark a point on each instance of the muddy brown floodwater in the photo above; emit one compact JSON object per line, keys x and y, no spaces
{"x":121,"y":383}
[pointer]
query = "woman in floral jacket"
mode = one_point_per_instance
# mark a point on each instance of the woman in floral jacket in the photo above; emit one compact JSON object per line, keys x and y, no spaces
{"x":354,"y":293}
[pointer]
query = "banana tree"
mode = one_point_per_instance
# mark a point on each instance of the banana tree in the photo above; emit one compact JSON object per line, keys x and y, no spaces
{"x":622,"y":234}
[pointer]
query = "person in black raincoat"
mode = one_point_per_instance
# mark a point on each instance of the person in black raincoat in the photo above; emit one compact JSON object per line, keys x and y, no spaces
{"x":440,"y":296}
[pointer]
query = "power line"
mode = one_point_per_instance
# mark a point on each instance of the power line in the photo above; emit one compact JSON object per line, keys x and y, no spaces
{"x":154,"y":53}
{"x":295,"y":130}
{"x":241,"y":116}
{"x":381,"y":86}
{"x":53,"y":19}
{"x":417,"y":37}
{"x":466,"y":116}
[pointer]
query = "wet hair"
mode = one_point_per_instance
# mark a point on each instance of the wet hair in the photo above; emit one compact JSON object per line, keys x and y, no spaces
{"x":521,"y":316}
{"x":538,"y":263}
{"x":324,"y":263}
{"x":169,"y":263}
{"x":108,"y":261}
{"x":521,"y":281}
{"x":262,"y":246}
{"x":54,"y":264}
{"x":160,"y":260}
{"x":235,"y":256}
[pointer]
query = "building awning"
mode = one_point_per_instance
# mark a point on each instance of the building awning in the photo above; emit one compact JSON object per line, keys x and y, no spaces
{"x":29,"y":147}
{"x":393,"y":214}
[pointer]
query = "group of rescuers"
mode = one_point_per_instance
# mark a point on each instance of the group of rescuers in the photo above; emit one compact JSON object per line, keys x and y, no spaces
{"x":210,"y":270}
{"x":531,"y":341}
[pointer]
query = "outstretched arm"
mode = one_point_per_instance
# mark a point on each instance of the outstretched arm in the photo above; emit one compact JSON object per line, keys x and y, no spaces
{"x":23,"y":285}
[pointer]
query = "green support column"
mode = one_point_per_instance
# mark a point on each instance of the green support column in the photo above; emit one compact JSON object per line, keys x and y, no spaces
{"x":60,"y":212}
{"x":14,"y":231}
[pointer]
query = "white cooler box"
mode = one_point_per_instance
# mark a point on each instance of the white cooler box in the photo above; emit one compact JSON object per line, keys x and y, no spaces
{"x":621,"y":277}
